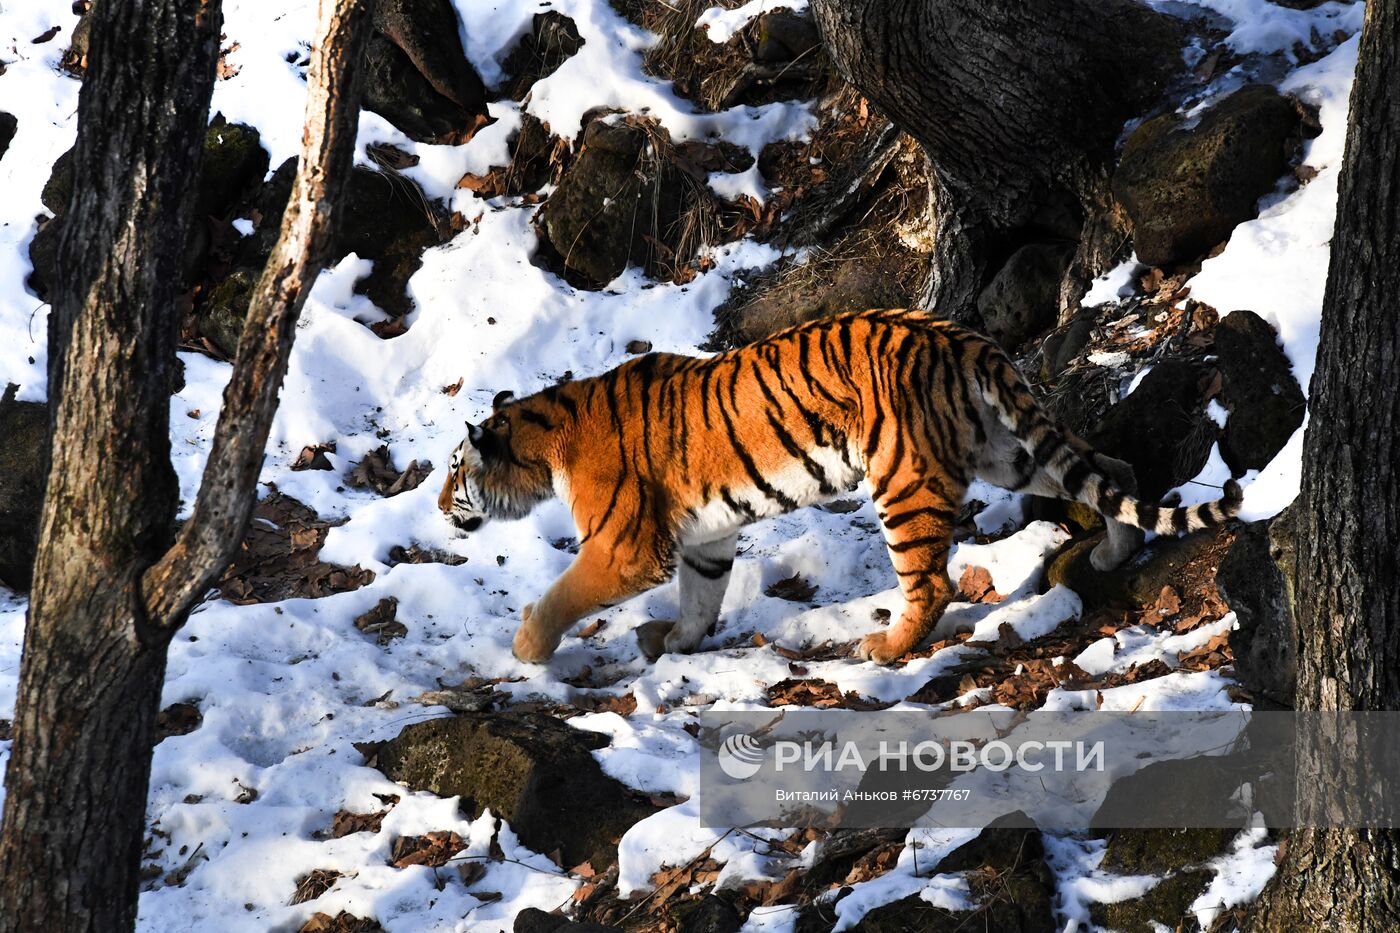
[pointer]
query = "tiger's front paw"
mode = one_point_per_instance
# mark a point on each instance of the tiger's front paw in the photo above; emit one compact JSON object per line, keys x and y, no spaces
{"x":529,"y":646}
{"x":876,"y":647}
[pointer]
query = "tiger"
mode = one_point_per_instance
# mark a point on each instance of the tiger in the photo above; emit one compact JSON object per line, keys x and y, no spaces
{"x":665,"y":458}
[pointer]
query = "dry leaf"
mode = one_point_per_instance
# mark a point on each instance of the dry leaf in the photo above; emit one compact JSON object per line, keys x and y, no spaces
{"x":793,"y":588}
{"x":976,"y":584}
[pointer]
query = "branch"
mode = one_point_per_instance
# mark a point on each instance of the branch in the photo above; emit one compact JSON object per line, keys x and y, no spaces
{"x":228,"y":491}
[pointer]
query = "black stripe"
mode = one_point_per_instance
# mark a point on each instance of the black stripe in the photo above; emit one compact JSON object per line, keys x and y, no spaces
{"x":711,"y":570}
{"x":734,"y":505}
{"x":1075,"y":477}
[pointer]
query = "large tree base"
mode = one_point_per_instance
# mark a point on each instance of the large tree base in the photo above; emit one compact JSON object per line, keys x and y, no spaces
{"x":1341,"y":880}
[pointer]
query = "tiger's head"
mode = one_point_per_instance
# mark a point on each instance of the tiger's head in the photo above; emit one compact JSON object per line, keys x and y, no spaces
{"x":499,"y":470}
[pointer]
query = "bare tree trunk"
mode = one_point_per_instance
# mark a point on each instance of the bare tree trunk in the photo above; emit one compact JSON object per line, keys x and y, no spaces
{"x":109,"y":590}
{"x":1348,"y":583}
{"x":1018,"y":106}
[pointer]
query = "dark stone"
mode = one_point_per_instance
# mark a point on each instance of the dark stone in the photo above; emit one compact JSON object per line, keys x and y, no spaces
{"x":1164,"y":905}
{"x":619,"y":198}
{"x":23,"y":454}
{"x":417,"y":76}
{"x":59,"y":188}
{"x":784,"y":36}
{"x":1137,"y":583}
{"x":219,"y":317}
{"x":386,"y":218}
{"x":553,"y":39}
{"x":1062,"y":345}
{"x":1155,"y":851}
{"x":1009,"y":879}
{"x":43,"y":256}
{"x":1022,"y":299}
{"x":534,"y":920}
{"x":709,"y":914}
{"x":1161,"y":429}
{"x":8,"y":125}
{"x":532,"y":770}
{"x":1256,"y":581}
{"x":1186,"y":187}
{"x":234,"y":160}
{"x":1266,"y":405}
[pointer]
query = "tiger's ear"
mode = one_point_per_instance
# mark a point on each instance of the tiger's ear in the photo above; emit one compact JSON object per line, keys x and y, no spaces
{"x":502,"y":398}
{"x":487,"y":443}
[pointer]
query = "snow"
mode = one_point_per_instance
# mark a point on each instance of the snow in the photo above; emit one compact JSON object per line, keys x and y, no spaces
{"x":284,"y":689}
{"x":721,"y":25}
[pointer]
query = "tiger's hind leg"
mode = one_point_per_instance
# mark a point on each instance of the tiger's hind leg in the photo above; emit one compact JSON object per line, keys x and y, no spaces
{"x":704,"y":576}
{"x":919,"y":533}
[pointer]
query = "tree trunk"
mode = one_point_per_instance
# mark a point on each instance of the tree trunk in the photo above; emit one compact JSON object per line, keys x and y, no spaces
{"x":1018,"y":106}
{"x":1348,"y":583}
{"x":93,"y":664}
{"x":109,"y":588}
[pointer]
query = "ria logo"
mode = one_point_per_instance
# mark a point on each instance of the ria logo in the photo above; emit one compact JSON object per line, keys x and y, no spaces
{"x":740,"y":756}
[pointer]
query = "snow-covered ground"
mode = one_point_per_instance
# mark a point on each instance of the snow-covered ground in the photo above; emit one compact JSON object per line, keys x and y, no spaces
{"x":284,"y":687}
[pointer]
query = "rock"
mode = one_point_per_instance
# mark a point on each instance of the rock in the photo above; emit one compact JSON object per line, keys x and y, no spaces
{"x":1022,"y":299}
{"x":621,"y":198}
{"x":75,"y":58}
{"x":1009,"y":879}
{"x":534,"y":920}
{"x":1062,"y":345}
{"x":709,"y":914}
{"x":417,"y":76}
{"x":59,"y":188}
{"x":43,"y":256}
{"x":23,"y":454}
{"x":1138,"y":583}
{"x":530,"y":769}
{"x":8,"y":125}
{"x":234,"y":159}
{"x":1256,"y":581}
{"x":1266,"y":405}
{"x":1161,"y":429}
{"x":1154,"y":851}
{"x":1186,"y":186}
{"x":219,"y":317}
{"x":784,"y":35}
{"x":386,"y":218}
{"x":1163,"y":907}
{"x":553,"y":39}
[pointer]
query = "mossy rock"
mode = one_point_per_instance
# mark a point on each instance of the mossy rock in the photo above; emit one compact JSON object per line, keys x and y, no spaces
{"x":532,"y":770}
{"x":43,"y":257}
{"x":1265,"y":402}
{"x":221,"y":316}
{"x":708,"y":914}
{"x":1186,"y":184}
{"x":23,"y":447}
{"x":1135,"y":585}
{"x":59,"y":188}
{"x":234,"y":160}
{"x":1155,"y":851}
{"x":1165,"y":905}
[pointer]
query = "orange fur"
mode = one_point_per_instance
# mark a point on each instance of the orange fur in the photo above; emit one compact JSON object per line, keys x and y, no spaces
{"x":662,"y":459}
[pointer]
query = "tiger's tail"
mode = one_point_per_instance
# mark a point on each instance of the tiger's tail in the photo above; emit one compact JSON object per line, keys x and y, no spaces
{"x":1020,"y":411}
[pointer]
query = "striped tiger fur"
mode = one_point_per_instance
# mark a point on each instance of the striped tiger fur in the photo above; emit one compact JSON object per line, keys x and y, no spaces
{"x":664,"y":459}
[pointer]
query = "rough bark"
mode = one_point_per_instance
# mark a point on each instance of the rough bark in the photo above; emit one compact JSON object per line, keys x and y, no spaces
{"x":1348,"y":574}
{"x":1018,"y":106}
{"x":100,"y":617}
{"x":227,"y":493}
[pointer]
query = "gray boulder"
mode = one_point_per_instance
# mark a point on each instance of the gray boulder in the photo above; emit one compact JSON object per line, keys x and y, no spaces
{"x":1186,"y":185}
{"x":23,"y":460}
